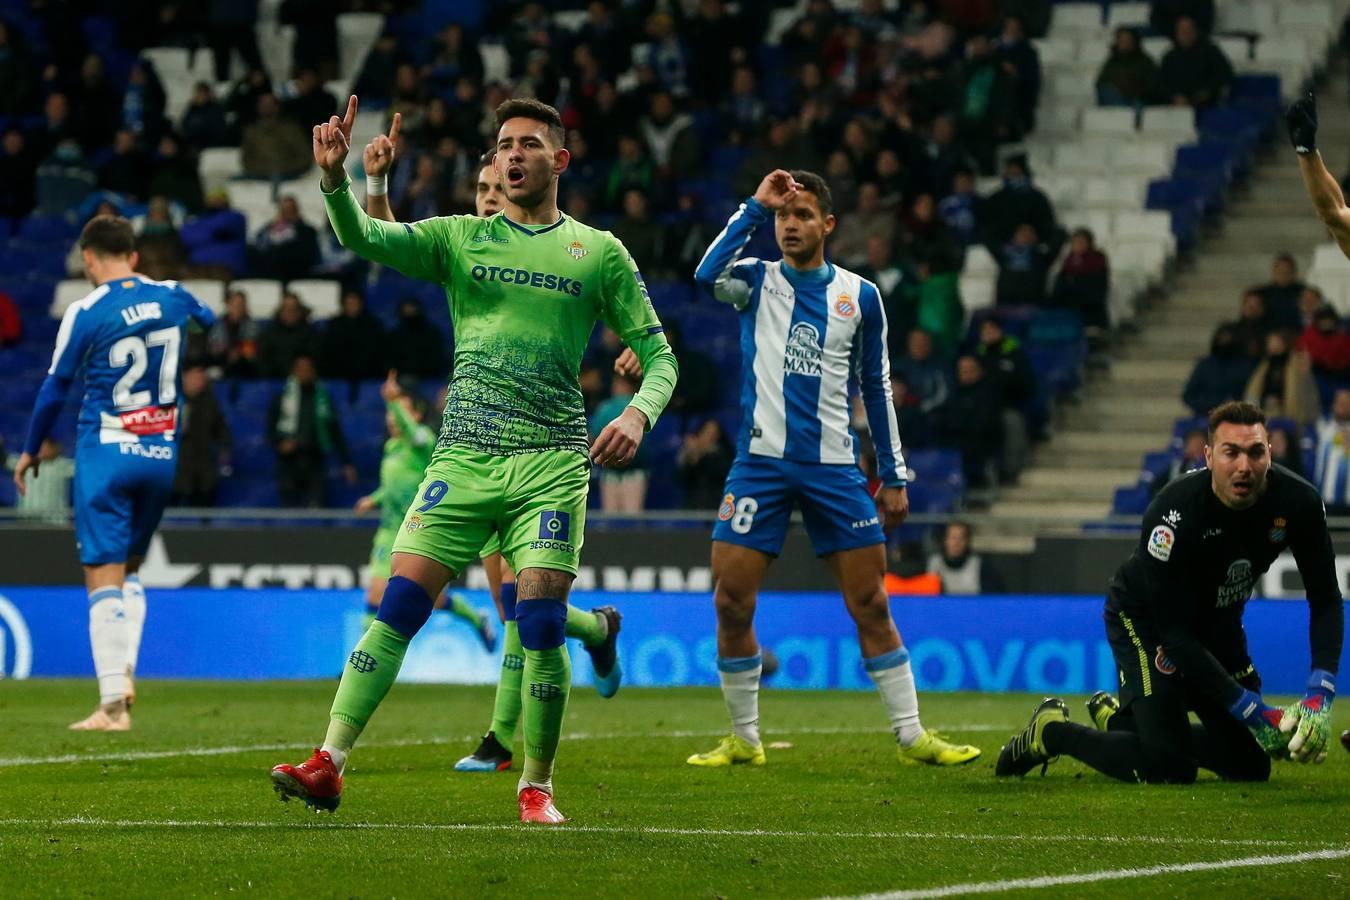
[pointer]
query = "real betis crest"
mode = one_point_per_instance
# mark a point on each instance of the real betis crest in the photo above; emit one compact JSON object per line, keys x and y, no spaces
{"x":577,"y":250}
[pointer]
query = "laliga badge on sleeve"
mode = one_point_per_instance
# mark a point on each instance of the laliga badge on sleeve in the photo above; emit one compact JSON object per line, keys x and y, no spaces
{"x":1160,"y":543}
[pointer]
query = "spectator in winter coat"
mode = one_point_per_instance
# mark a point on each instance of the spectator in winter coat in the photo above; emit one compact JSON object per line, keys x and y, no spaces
{"x":1023,"y":266}
{"x":1019,"y":202}
{"x":303,"y":428}
{"x":352,"y":345}
{"x":702,"y":465}
{"x":1326,"y":343}
{"x":1008,"y":369}
{"x":1129,"y":76}
{"x":204,"y":123}
{"x":288,"y":336}
{"x":1084,"y":281}
{"x":962,"y":571}
{"x":203,"y":442}
{"x":1281,"y":294}
{"x":274,"y":148}
{"x":1253,"y":325}
{"x":970,"y":421}
{"x":415,"y":345}
{"x":1219,"y":377}
{"x":233,"y":341}
{"x":1195,"y":71}
{"x":1282,"y":383}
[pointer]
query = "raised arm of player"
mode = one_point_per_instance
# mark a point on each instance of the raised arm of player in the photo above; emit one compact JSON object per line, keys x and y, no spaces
{"x":874,"y":380}
{"x":729,"y":278}
{"x":377,"y":159}
{"x":418,"y":251}
{"x":1322,"y":186}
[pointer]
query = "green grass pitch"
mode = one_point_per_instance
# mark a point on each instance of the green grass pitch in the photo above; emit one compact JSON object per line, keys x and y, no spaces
{"x":182,"y":805}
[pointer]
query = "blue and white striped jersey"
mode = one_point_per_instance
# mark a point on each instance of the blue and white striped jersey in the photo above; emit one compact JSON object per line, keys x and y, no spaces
{"x":805,"y":336}
{"x":127,"y":337}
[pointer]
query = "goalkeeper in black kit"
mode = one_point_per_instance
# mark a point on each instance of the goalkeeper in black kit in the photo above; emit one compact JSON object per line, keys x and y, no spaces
{"x":1174,"y":621}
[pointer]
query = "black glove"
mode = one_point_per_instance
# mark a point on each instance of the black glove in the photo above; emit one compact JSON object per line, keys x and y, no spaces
{"x":1301,"y":118}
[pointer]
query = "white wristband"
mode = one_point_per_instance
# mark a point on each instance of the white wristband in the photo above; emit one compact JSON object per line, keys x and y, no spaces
{"x":377,"y":185}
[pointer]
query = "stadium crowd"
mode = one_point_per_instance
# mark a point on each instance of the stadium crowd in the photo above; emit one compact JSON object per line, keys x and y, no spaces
{"x":674,"y":111}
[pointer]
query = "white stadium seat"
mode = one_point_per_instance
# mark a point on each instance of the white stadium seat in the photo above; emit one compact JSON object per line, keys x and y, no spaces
{"x":324,"y":298}
{"x":1059,"y":122}
{"x":1174,"y":122}
{"x":1329,"y":257}
{"x":1112,"y":193}
{"x":1126,"y":14}
{"x":1150,"y":159}
{"x":1309,"y":13}
{"x":264,"y":296}
{"x":1092,"y":158}
{"x":496,"y":62}
{"x":1063,"y":191}
{"x":1068,"y":87}
{"x":1237,"y":49}
{"x":210,"y":291}
{"x":1109,"y":121}
{"x":977,"y":292}
{"x":67,"y":292}
{"x":217,"y":165}
{"x":1098,"y":221}
{"x":979,"y":261}
{"x":1143,"y":225}
{"x":1250,"y":17}
{"x":1093,"y":52}
{"x":1156,"y":47}
{"x":1076,"y":18}
{"x":1056,"y":50}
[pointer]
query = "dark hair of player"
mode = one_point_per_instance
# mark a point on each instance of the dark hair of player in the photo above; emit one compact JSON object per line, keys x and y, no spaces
{"x":527,"y":108}
{"x":485,"y":160}
{"x":1235,"y":412}
{"x":108,"y":236}
{"x":816,"y":185}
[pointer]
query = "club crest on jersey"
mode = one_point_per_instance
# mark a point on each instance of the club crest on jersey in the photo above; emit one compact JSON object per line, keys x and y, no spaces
{"x":728,"y":507}
{"x":1163,"y":663}
{"x":804,"y":354}
{"x":845,"y":307}
{"x":1160,"y":543}
{"x":577,"y":250}
{"x":414,"y":523}
{"x":1277,"y":531}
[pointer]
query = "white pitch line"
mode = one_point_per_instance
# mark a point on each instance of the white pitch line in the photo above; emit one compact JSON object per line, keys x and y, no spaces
{"x":329,"y":823}
{"x":138,"y":755}
{"x":1046,"y":881}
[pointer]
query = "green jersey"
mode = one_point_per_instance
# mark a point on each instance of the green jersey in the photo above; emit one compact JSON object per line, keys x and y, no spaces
{"x":405,"y":459}
{"x":524,"y":301}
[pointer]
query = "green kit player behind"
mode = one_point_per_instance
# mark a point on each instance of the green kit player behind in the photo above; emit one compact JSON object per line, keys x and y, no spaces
{"x":406,"y":454}
{"x":598,"y":630}
{"x":525,"y":287}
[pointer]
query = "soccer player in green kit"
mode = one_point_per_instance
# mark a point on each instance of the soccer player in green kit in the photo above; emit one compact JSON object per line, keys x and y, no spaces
{"x":525,"y":287}
{"x":406,"y":454}
{"x":598,"y":629}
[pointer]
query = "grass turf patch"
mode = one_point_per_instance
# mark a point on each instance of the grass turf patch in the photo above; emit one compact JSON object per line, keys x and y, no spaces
{"x":182,"y":806}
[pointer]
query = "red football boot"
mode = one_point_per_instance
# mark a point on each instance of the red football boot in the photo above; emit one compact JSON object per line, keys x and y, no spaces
{"x":316,"y":781}
{"x":537,"y":806}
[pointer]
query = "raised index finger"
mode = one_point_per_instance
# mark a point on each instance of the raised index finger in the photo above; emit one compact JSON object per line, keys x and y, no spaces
{"x":350,"y":117}
{"x":393,"y":127}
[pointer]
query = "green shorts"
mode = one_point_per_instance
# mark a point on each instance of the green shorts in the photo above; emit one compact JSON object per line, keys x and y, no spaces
{"x":535,"y":503}
{"x":380,"y":549}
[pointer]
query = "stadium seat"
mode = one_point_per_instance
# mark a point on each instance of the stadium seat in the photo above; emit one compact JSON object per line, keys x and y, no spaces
{"x":323,"y":297}
{"x":217,"y":165}
{"x":1156,"y":47}
{"x":977,"y":292}
{"x":1155,"y":466}
{"x":1076,"y":19}
{"x":1130,"y":501}
{"x":50,"y":229}
{"x":1099,"y":221}
{"x":1237,"y":49}
{"x":1120,"y":15}
{"x":1109,"y":121}
{"x":1053,"y":51}
{"x":1087,"y":159}
{"x":264,"y":295}
{"x":1151,"y":160}
{"x":67,"y":292}
{"x":1144,"y":224}
{"x":1176,"y":122}
{"x":1059,"y":123}
{"x":209,"y":291}
{"x":1092,"y":52}
{"x":1112,"y":193}
{"x":1245,"y":16}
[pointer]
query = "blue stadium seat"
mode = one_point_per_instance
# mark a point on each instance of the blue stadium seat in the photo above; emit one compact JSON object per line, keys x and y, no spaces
{"x":1260,"y":93}
{"x":47,"y":229}
{"x":1211,"y":164}
{"x":1184,"y":199}
{"x":1156,"y":465}
{"x":1183,"y":425}
{"x":1130,"y":501}
{"x":937,"y":465}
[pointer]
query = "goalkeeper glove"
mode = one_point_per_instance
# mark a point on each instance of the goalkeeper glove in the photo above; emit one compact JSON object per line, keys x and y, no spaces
{"x":1301,"y":117}
{"x":1310,"y":719}
{"x":1264,"y":723}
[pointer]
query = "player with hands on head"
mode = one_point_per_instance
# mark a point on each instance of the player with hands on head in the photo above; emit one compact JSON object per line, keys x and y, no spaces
{"x":810,"y":330}
{"x":525,"y":287}
{"x":1174,"y":623}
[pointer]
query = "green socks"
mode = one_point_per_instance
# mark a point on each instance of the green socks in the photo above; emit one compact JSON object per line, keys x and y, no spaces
{"x":586,"y":626}
{"x":506,"y":708}
{"x":367,"y":677}
{"x":548,"y":681}
{"x":460,"y":608}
